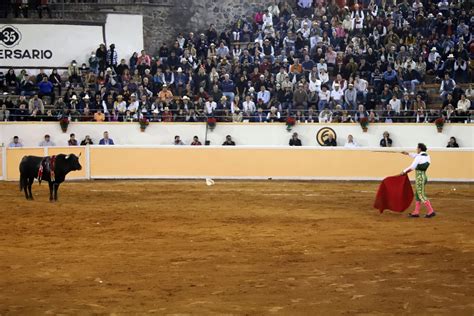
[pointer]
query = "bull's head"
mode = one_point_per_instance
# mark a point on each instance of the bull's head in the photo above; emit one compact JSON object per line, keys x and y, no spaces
{"x":73,"y":162}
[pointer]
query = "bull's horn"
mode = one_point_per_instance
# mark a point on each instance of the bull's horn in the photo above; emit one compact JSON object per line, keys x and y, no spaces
{"x":67,"y":157}
{"x":80,"y":154}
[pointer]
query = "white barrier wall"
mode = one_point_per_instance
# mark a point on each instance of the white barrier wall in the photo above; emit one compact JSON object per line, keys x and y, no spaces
{"x":403,"y":135}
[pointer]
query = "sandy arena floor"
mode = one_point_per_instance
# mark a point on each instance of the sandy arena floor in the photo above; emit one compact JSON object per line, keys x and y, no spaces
{"x":180,"y":247}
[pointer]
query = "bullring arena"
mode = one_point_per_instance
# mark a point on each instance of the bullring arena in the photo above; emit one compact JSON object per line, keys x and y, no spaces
{"x":252,"y":157}
{"x":237,"y":247}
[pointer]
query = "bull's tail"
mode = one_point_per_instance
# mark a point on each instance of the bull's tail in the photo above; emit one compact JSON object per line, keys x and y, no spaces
{"x":23,"y":178}
{"x":22,"y":182}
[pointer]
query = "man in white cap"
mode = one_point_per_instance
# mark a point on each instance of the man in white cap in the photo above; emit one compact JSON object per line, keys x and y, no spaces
{"x":337,"y":94}
{"x":134,"y":104}
{"x":180,"y":80}
{"x":186,"y":103}
{"x":433,"y":55}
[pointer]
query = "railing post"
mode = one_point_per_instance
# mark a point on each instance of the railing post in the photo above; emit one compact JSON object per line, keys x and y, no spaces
{"x":88,"y":162}
{"x":4,"y":163}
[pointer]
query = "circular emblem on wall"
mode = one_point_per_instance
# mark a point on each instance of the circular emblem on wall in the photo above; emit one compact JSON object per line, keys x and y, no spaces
{"x":323,"y":134}
{"x":9,"y":36}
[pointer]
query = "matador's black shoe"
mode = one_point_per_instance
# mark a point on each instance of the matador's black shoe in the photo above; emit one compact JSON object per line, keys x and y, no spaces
{"x":413,"y":215}
{"x":430,"y":215}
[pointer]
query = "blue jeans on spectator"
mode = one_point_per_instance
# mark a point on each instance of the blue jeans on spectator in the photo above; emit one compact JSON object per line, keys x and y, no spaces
{"x":351,"y":106}
{"x":229,"y":95}
{"x":322,"y":104}
{"x":411,"y":85}
{"x":361,"y":96}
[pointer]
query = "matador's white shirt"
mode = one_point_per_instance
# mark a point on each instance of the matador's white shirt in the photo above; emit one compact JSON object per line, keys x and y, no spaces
{"x":420,"y":159}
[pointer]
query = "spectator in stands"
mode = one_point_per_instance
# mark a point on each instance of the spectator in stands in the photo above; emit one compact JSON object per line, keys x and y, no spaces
{"x":447,"y":86}
{"x":106,"y":140}
{"x":74,"y":74}
{"x":350,"y":97}
{"x":43,"y":5}
{"x":112,"y":57}
{"x":350,"y":142}
{"x":294,"y":140}
{"x":72,"y":140}
{"x":143,"y":62}
{"x":452,"y":143}
{"x":4,"y":111}
{"x":177,"y":141}
{"x":15,"y":142}
{"x":46,"y":88}
{"x":386,"y":141}
{"x":196,"y":141}
{"x":87,"y":141}
{"x":228,"y":141}
{"x":55,"y":79}
{"x":11,"y":80}
{"x":330,"y":141}
{"x":390,"y":76}
{"x":21,"y":7}
{"x":36,"y":105}
{"x":47,"y":142}
{"x":462,"y":109}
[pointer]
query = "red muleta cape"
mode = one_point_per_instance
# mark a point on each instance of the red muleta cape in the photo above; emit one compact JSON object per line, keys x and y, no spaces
{"x":395,"y":194}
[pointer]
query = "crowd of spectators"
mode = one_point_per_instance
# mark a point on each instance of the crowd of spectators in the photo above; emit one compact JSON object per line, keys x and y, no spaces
{"x":317,"y":61}
{"x":23,"y":8}
{"x":107,"y":141}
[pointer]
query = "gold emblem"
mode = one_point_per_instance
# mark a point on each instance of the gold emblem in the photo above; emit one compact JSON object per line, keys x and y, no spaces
{"x":323,"y":134}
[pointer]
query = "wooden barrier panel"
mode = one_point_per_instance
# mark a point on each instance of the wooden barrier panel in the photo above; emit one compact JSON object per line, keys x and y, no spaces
{"x":81,"y":174}
{"x":263,"y":163}
{"x":14,"y":156}
{"x":304,"y":163}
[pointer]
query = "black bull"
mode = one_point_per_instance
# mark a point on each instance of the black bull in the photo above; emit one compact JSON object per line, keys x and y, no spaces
{"x":30,"y":166}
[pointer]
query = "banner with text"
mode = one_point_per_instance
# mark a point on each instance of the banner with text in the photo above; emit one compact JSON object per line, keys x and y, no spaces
{"x":47,"y":45}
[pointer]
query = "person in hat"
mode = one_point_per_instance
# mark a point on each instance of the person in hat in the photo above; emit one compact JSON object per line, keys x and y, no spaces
{"x":85,"y":103}
{"x":337,"y":94}
{"x":432,"y":57}
{"x":120,"y":106}
{"x":165,"y":95}
{"x":186,"y":103}
{"x":180,"y":81}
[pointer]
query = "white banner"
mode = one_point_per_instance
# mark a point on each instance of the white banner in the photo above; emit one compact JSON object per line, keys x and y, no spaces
{"x":47,"y":45}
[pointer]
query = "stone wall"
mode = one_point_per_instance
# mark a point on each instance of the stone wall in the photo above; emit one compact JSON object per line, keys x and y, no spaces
{"x":162,"y":22}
